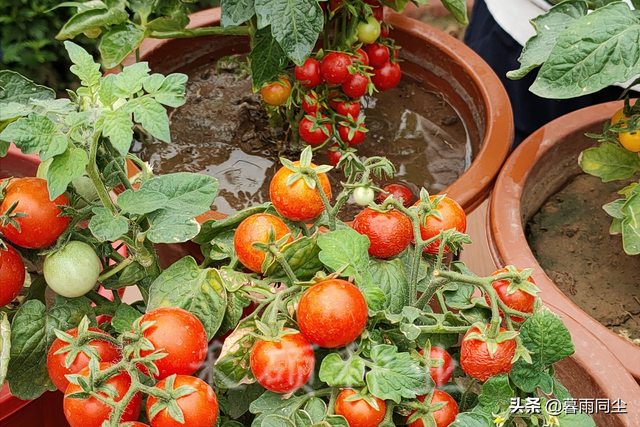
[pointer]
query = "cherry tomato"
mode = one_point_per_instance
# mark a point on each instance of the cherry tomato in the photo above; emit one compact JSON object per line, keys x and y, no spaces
{"x":348,"y":108}
{"x":398,"y":191}
{"x":41,"y":226}
{"x":384,"y":30}
{"x":332,"y":313}
{"x":519,"y":300}
{"x":360,"y":56}
{"x":200,"y":408}
{"x":317,"y":136}
{"x":276,"y":93}
{"x":443,"y":416}
{"x":389,"y":232}
{"x":310,"y":104}
{"x":309,"y":74}
{"x":387,"y":76}
{"x":358,"y":412}
{"x":73,"y":270}
{"x":335,"y":97}
{"x":476,"y":361}
{"x":283,"y":366}
{"x":357,"y":138}
{"x":369,"y":30}
{"x":334,"y":155}
{"x":363,"y":195}
{"x":356,"y":85}
{"x":378,"y":54}
{"x":297,"y":202}
{"x":179,"y":334}
{"x":453,"y":216}
{"x":335,"y":67}
{"x":12,"y":275}
{"x":92,"y":412}
{"x":256,"y":229}
{"x":56,"y":362}
{"x":629,"y":140}
{"x":442,"y":374}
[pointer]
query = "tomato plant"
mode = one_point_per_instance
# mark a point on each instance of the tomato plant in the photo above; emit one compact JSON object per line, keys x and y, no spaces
{"x":389,"y":232}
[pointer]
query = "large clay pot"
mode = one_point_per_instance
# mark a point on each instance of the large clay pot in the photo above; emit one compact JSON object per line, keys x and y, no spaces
{"x":537,"y":169}
{"x":441,"y":62}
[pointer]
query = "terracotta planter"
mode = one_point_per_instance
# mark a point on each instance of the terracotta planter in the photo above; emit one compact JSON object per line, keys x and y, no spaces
{"x":540,"y":166}
{"x":439,"y":61}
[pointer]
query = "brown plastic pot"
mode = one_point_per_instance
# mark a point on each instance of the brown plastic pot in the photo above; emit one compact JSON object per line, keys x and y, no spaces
{"x":537,"y":169}
{"x":434,"y":58}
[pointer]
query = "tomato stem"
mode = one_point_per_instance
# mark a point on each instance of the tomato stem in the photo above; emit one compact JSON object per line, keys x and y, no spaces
{"x":94,"y":175}
{"x":115,"y":270}
{"x":196,"y":32}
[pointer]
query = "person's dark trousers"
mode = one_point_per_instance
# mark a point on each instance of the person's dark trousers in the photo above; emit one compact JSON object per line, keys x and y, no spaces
{"x":501,"y":52}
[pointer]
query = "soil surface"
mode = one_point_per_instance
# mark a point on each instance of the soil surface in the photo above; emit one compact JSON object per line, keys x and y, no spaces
{"x":223,"y":131}
{"x":571,"y":241}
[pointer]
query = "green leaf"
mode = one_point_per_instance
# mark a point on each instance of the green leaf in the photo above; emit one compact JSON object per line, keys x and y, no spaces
{"x":91,"y":19}
{"x":548,"y":27}
{"x":124,"y":318}
{"x":188,"y":193}
{"x":65,"y":168}
{"x":496,"y":394}
{"x":458,"y":9}
{"x":390,"y":277}
{"x":119,"y":42}
{"x":131,"y":79}
{"x":168,"y":90}
{"x":19,"y":89}
{"x":236,"y":302}
{"x":631,"y":225}
{"x":235,"y":12}
{"x":84,"y":66}
{"x":295,"y":24}
{"x":31,"y":336}
{"x":151,"y":115}
{"x":576,"y":420}
{"x":212,"y":227}
{"x":198,"y":291}
{"x":36,"y":134}
{"x":177,"y":21}
{"x":143,"y":201}
{"x":233,"y":367}
{"x":273,"y":420}
{"x":396,"y":375}
{"x":302,"y":257}
{"x":346,"y":247}
{"x":267,"y":58}
{"x":241,"y":397}
{"x":471,"y":419}
{"x":549,"y":341}
{"x":596,"y":51}
{"x":167,"y":227}
{"x":107,"y":227}
{"x":316,"y":408}
{"x":273,"y":403}
{"x":144,"y":8}
{"x":5,"y":346}
{"x":613,"y":208}
{"x":342,"y":373}
{"x":609,"y":162}
{"x":118,"y":127}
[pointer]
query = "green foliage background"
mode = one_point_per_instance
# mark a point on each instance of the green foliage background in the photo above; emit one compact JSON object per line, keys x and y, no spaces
{"x":27,"y":40}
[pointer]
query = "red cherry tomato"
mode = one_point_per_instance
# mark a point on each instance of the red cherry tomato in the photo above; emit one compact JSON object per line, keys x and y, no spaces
{"x":200,"y":408}
{"x":443,"y":416}
{"x":356,"y":85}
{"x":384,"y":30}
{"x":56,"y":362}
{"x":361,"y":56}
{"x":476,"y":361}
{"x":184,"y":355}
{"x":453,"y":216}
{"x":255,"y":229}
{"x":335,"y":67}
{"x":41,"y":226}
{"x":334,"y":155}
{"x":297,"y":202}
{"x":387,"y":76}
{"x":389,"y":232}
{"x":378,"y":54}
{"x":398,"y":191}
{"x":358,"y":412}
{"x":276,"y":93}
{"x":283,"y":366}
{"x":332,"y":313}
{"x":92,"y":412}
{"x":357,"y":138}
{"x":310,"y":104}
{"x":348,"y":108}
{"x":309,"y":74}
{"x":12,"y":275}
{"x":519,"y":300}
{"x":442,"y":374}
{"x":317,"y":136}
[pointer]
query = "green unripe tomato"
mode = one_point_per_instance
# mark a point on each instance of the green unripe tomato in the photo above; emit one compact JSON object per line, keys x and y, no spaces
{"x":72,"y":271}
{"x":363,"y":195}
{"x":369,"y":31}
{"x":82,"y":184}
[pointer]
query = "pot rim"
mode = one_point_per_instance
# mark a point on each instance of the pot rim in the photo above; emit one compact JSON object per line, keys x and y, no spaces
{"x":505,"y":234}
{"x":474,"y":185}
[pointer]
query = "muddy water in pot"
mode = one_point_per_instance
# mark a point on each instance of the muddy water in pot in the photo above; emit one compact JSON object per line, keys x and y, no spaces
{"x":222,"y":131}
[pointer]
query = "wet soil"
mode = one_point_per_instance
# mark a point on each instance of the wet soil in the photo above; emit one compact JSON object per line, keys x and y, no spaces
{"x":223,"y":131}
{"x":571,"y":241}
